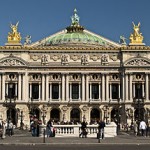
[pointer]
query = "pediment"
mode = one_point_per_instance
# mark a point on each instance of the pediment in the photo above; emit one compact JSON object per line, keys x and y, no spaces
{"x":136,"y":62}
{"x":12,"y":61}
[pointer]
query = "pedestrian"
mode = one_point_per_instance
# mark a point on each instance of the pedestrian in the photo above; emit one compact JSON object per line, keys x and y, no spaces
{"x":10,"y":128}
{"x":49,"y":128}
{"x":101,"y":126}
{"x":148,"y":129}
{"x":83,"y":130}
{"x":143,"y":127}
{"x":135,"y":127}
{"x":3,"y":129}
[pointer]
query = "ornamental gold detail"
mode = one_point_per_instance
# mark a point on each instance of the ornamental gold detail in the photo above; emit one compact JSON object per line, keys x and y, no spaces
{"x":14,"y":36}
{"x":136,"y":37}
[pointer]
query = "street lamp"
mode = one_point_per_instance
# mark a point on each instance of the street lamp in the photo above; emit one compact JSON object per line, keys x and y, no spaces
{"x":21,"y":120}
{"x":118,"y":115}
{"x":8,"y":100}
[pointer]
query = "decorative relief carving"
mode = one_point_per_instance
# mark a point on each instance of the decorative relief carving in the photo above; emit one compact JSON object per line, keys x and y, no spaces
{"x":94,"y":57}
{"x":114,"y":57}
{"x":84,"y":60}
{"x":65,"y":59}
{"x":34,"y":57}
{"x":138,"y":62}
{"x":105,"y":59}
{"x":35,"y":77}
{"x":55,"y":57}
{"x":12,"y":62}
{"x":44,"y":59}
{"x":74,"y":57}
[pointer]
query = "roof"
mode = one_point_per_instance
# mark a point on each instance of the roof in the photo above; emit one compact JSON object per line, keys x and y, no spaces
{"x":75,"y":35}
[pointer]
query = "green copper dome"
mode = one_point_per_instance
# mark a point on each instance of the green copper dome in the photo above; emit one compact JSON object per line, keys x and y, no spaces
{"x":74,"y":38}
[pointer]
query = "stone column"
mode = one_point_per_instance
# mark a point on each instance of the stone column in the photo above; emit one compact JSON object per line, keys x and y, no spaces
{"x":107,"y":87}
{"x":59,"y":96}
{"x":67,"y":87}
{"x":79,"y":91}
{"x":131,"y":87}
{"x":0,"y":87}
{"x":90,"y":91}
{"x":47,"y":87}
{"x":3,"y":86}
{"x":99,"y":91}
{"x":19,"y":87}
{"x":16,"y":90}
{"x":39,"y":91}
{"x":43,"y":87}
{"x":50,"y":97}
{"x":63,"y":87}
{"x":26,"y":87}
{"x":83,"y":87}
{"x":123,"y":87}
{"x":87,"y":87}
{"x":147,"y":87}
{"x":103,"y":87}
{"x":119,"y":90}
{"x":126,"y":87}
{"x":30,"y":90}
{"x":110,"y":92}
{"x":70,"y":87}
{"x":143,"y":90}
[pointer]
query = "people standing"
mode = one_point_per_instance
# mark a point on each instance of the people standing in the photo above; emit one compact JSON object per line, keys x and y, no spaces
{"x":10,"y":128}
{"x":135,"y":127}
{"x":49,"y":128}
{"x":101,"y":126}
{"x":143,"y":127}
{"x":83,"y":129}
{"x":148,"y":129}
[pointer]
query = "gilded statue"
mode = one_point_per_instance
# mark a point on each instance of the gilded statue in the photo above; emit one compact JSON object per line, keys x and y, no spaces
{"x":14,"y":36}
{"x":136,"y":37}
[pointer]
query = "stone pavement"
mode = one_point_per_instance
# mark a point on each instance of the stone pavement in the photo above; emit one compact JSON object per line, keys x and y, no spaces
{"x":24,"y":137}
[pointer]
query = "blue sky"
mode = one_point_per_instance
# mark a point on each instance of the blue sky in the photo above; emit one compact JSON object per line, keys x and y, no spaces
{"x":41,"y":18}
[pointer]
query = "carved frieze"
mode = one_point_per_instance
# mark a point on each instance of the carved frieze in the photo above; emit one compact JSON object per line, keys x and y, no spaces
{"x":94,"y":57}
{"x":114,"y":57}
{"x":105,"y":59}
{"x":55,"y":57}
{"x":137,"y":62}
{"x":65,"y":59}
{"x":84,"y":60}
{"x":34,"y":57}
{"x":12,"y":62}
{"x":74,"y":57}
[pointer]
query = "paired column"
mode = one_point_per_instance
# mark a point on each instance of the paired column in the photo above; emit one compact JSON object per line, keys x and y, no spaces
{"x":126,"y":87}
{"x":47,"y":87}
{"x":67,"y":87}
{"x":43,"y":87}
{"x":63,"y":87}
{"x":103,"y":87}
{"x":107,"y":87}
{"x":83,"y":87}
{"x":3,"y":86}
{"x":87,"y":87}
{"x":131,"y":87}
{"x":147,"y":87}
{"x":19,"y":88}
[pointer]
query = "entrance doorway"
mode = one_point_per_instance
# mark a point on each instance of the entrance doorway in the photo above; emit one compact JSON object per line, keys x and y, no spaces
{"x":75,"y":115}
{"x":12,"y":115}
{"x":55,"y":115}
{"x":95,"y":115}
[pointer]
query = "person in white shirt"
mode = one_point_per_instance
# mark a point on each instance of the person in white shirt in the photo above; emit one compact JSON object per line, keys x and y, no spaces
{"x":143,"y":127}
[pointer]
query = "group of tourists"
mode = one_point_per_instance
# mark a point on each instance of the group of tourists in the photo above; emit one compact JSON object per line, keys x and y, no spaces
{"x":141,"y":128}
{"x":84,"y":132}
{"x":34,"y":125}
{"x":6,"y":128}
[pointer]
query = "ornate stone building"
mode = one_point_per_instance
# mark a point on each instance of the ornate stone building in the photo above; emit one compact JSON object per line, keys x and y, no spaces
{"x":74,"y":75}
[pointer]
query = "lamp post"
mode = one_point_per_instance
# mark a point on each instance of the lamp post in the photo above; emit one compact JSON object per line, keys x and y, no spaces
{"x":21,"y":120}
{"x":118,"y":115}
{"x":8,"y":102}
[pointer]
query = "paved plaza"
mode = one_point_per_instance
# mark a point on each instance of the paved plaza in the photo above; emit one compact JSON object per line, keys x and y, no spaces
{"x":24,"y":137}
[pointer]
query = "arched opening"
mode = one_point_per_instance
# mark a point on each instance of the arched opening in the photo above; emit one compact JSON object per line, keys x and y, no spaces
{"x":12,"y":115}
{"x":95,"y":115}
{"x":35,"y":113}
{"x":75,"y":115}
{"x":115,"y":117}
{"x":55,"y":115}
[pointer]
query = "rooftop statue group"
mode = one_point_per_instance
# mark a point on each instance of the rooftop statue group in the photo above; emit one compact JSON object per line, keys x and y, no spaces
{"x":14,"y":36}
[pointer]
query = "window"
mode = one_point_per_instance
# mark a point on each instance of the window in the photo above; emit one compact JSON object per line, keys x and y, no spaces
{"x":138,"y":90}
{"x":35,"y":91}
{"x":55,"y":91}
{"x":75,"y":91}
{"x":115,"y":91}
{"x":95,"y":91}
